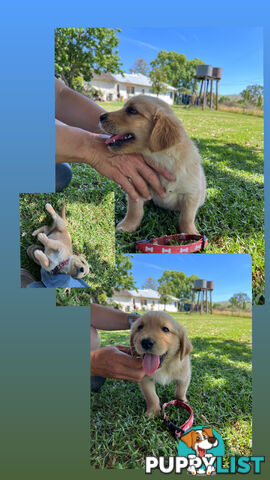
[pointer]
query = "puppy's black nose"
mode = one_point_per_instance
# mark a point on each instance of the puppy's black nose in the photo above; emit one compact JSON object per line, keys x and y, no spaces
{"x":147,"y":343}
{"x":103,"y":116}
{"x":81,"y":269}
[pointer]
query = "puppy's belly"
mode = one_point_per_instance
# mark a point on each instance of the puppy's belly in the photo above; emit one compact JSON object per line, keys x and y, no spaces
{"x":171,"y":202}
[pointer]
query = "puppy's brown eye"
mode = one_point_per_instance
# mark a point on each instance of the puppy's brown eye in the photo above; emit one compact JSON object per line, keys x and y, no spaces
{"x":140,"y":327}
{"x":131,"y":111}
{"x":165,"y":329}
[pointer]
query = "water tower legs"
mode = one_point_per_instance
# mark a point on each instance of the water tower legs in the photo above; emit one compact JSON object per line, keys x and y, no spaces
{"x":211,"y":94}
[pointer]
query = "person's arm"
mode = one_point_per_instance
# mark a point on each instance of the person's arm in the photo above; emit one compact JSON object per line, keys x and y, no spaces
{"x":106,"y":318}
{"x":75,"y":109}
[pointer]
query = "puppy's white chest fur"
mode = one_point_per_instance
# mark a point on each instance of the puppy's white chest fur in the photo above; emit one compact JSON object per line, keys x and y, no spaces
{"x":185,"y":183}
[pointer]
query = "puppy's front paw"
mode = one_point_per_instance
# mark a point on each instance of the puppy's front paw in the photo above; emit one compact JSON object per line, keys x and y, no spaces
{"x":42,"y":237}
{"x":125,"y":226}
{"x":153,"y":411}
{"x":35,"y":232}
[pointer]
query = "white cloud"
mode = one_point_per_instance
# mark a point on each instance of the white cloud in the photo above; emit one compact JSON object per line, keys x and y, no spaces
{"x":140,"y":44}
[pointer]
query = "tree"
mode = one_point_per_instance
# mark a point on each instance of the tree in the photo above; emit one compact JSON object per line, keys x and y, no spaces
{"x":253,"y":94}
{"x":140,"y":66}
{"x":150,"y":283}
{"x":82,"y":51}
{"x":177,"y":284}
{"x":112,"y":277}
{"x":158,"y":79}
{"x":239,"y":300}
{"x":176,"y":69}
{"x":165,"y":292}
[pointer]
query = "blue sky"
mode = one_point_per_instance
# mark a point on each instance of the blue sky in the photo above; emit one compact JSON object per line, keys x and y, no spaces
{"x":238,"y":51}
{"x":231,"y":273}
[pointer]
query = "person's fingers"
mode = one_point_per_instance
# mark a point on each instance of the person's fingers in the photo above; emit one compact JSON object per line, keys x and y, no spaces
{"x":152,"y":179}
{"x":129,"y":166}
{"x":127,"y":186}
{"x":140,"y":185}
{"x":124,"y":348}
{"x":129,"y":361}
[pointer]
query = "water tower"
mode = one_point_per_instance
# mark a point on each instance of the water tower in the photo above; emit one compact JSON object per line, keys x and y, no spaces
{"x":207,"y":74}
{"x":202,"y":287}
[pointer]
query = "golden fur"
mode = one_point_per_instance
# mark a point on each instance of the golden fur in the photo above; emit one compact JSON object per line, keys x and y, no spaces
{"x":159,"y":136}
{"x":58,"y":247}
{"x":173,"y":345}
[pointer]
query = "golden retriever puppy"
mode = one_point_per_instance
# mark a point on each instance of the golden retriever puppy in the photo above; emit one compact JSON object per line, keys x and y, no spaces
{"x":148,"y":126}
{"x":164,"y":346}
{"x":58,"y":255}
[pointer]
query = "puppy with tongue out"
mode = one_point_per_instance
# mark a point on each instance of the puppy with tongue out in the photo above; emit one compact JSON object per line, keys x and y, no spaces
{"x":164,"y":347}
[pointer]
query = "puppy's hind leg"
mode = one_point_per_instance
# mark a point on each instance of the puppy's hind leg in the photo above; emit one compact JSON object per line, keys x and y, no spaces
{"x":58,"y":222}
{"x":133,"y":216}
{"x":42,"y":258}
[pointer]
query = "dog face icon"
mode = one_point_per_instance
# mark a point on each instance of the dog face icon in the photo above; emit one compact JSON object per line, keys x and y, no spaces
{"x":200,"y":440}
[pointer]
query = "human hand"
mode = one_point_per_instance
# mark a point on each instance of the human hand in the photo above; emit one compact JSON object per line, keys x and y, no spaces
{"x":131,"y":171}
{"x":116,"y":362}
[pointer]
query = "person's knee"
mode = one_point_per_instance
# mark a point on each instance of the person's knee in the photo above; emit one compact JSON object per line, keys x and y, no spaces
{"x":95,"y":339}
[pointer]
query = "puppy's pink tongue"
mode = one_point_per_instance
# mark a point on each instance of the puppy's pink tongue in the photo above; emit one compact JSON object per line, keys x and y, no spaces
{"x":113,"y":138}
{"x":150,"y":363}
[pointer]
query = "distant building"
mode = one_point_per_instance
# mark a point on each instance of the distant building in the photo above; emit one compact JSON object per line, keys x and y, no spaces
{"x":145,"y":299}
{"x":121,"y":87}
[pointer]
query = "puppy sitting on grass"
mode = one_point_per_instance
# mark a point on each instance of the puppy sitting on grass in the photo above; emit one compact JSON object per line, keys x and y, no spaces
{"x":57,"y":256}
{"x":148,"y":126}
{"x":164,"y":346}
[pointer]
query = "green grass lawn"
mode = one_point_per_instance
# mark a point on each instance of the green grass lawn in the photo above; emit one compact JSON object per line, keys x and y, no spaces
{"x":220,"y":394}
{"x":90,"y":220}
{"x":231,"y":147}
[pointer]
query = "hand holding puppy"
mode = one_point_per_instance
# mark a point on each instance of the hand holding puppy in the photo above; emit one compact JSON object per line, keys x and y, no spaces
{"x":116,"y":362}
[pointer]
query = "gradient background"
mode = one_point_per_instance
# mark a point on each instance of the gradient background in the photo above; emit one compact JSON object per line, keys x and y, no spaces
{"x":44,"y":350}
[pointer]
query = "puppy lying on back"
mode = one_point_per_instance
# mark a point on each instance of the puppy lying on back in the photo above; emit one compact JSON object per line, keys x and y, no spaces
{"x":148,"y":126}
{"x":164,"y":346}
{"x":58,"y":255}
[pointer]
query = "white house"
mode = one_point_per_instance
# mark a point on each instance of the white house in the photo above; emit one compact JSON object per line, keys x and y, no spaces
{"x":146,"y":299}
{"x":121,"y":87}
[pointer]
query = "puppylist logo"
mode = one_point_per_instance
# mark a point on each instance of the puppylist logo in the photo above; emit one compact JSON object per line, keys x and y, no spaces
{"x":200,"y":452}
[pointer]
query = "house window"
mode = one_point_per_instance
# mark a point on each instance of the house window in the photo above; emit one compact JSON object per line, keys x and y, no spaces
{"x":171,"y":94}
{"x":130,"y":90}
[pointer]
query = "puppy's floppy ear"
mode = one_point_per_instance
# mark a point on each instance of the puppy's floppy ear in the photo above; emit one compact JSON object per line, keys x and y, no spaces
{"x":166,"y":133}
{"x":185,"y":345}
{"x":208,"y":431}
{"x":188,"y":438}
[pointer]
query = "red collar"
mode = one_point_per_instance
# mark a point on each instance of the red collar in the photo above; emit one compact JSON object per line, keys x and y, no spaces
{"x":162,"y":244}
{"x":178,"y":431}
{"x":58,"y":267}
